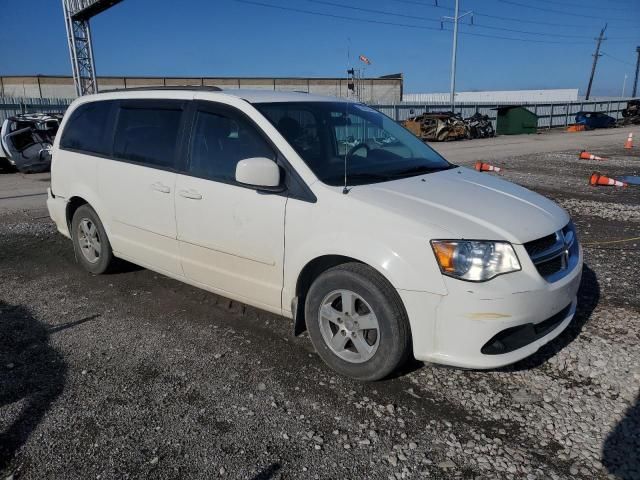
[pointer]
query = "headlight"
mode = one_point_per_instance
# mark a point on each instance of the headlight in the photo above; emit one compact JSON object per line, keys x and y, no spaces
{"x":475,"y":261}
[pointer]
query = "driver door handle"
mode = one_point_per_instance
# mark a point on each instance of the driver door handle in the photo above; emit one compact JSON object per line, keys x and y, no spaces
{"x":159,"y":187}
{"x":192,"y":194}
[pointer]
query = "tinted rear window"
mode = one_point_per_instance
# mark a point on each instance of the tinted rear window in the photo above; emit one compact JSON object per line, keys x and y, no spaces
{"x":87,"y":129}
{"x":148,"y":135}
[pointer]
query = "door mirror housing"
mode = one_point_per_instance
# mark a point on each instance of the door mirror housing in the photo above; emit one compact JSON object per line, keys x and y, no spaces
{"x":259,"y":172}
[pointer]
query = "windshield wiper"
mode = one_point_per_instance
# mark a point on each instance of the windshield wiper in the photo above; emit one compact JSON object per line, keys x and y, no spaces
{"x":419,"y":170}
{"x":369,"y":176}
{"x":362,"y":177}
{"x":387,"y":176}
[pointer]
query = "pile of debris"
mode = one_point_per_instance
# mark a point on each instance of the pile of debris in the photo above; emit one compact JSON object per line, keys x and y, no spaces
{"x":480,"y":126}
{"x":26,"y":141}
{"x":445,"y":126}
{"x":631,"y":114}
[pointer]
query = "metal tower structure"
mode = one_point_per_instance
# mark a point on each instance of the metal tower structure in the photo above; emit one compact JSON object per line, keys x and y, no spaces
{"x":77,"y":14}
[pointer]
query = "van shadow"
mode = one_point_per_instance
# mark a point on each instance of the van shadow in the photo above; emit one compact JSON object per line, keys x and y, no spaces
{"x":6,"y":167}
{"x":268,"y":472}
{"x":621,"y":450}
{"x":588,"y":299}
{"x":32,"y":372}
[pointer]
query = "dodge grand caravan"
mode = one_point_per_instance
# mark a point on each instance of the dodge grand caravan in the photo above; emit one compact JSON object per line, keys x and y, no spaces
{"x":324,"y":211}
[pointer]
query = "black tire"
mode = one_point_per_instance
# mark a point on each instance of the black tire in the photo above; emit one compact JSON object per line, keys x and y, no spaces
{"x":105,"y":262}
{"x":394,"y":343}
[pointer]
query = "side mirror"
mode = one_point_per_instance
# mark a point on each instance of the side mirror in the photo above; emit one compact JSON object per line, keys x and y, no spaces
{"x":258,"y":172}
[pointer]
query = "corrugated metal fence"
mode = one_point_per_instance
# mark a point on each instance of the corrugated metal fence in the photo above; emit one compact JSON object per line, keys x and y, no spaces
{"x":14,"y":105}
{"x":549,"y":114}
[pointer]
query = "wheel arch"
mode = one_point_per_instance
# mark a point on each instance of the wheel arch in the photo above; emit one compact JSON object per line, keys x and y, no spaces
{"x":84,"y":196}
{"x":307,"y":275}
{"x":312,"y":270}
{"x":74,"y":204}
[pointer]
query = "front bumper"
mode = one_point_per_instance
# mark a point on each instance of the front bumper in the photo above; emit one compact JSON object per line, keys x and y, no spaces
{"x":454,"y":329}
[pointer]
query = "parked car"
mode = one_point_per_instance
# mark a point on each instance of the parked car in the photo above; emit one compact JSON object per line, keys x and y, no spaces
{"x":381,"y":249}
{"x":437,"y":127}
{"x":592,"y":120}
{"x":26,"y":139}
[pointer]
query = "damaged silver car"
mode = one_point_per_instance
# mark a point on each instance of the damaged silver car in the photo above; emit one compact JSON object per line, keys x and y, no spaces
{"x":27,"y":139}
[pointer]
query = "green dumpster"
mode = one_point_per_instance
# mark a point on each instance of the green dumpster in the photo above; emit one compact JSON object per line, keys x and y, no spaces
{"x":514,"y":120}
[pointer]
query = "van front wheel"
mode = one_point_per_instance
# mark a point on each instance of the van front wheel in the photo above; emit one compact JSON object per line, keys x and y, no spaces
{"x":357,"y":322}
{"x":90,"y":242}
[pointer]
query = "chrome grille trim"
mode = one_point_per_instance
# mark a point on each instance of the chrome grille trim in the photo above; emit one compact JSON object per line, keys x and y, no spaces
{"x":565,"y":247}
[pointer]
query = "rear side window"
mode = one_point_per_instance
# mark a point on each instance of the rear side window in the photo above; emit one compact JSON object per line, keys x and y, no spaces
{"x":148,"y":134}
{"x":87,"y":129}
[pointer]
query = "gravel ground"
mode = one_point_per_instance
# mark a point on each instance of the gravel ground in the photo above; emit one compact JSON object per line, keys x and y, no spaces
{"x":135,"y":375}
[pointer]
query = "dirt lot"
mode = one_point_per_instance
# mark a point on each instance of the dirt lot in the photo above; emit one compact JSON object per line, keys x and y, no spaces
{"x":134,"y":375}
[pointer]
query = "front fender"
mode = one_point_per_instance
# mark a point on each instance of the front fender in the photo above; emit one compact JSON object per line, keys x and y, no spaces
{"x":407,"y":262}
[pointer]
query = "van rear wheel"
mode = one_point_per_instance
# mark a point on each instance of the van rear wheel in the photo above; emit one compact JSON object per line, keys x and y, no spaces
{"x":90,"y":241}
{"x":357,"y":322}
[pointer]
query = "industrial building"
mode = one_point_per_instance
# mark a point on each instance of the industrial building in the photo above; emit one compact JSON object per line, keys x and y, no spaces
{"x":386,"y":89}
{"x":498,"y":96}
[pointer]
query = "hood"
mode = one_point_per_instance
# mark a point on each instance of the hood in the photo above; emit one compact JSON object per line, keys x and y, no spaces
{"x":467,"y":204}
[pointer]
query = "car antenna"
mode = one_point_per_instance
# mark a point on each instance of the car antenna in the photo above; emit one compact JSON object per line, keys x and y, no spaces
{"x":345,"y":190}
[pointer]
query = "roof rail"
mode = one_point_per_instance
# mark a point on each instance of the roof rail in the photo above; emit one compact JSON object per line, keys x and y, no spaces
{"x":162,"y":87}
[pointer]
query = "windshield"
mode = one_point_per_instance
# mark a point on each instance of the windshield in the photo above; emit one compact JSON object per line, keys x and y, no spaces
{"x":329,"y":134}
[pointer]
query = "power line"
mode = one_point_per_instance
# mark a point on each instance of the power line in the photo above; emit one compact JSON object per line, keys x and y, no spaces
{"x":581,"y":5}
{"x":573,"y":14}
{"x":617,"y":59}
{"x":396,"y":24}
{"x":331,"y":15}
{"x":371,"y":10}
{"x":508,"y":19}
{"x":427,"y":19}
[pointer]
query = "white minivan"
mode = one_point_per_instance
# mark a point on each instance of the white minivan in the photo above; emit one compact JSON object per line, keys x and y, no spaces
{"x":324,"y":211}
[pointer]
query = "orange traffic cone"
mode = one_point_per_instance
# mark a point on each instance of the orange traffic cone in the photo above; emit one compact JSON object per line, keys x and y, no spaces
{"x":584,"y":155}
{"x":598,"y":179}
{"x":629,"y":142}
{"x":485,"y":167}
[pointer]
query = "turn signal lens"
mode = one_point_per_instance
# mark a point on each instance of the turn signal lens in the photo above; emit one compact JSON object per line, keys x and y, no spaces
{"x":474,"y":260}
{"x":445,"y":252}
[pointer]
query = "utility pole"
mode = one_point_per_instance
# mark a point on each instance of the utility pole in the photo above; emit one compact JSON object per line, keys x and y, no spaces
{"x":455,"y":19}
{"x":635,"y":83}
{"x":596,"y":56}
{"x":624,"y":85}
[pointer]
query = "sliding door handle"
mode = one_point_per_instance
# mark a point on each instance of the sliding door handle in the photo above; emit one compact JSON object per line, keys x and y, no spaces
{"x":159,"y":187}
{"x":192,"y":194}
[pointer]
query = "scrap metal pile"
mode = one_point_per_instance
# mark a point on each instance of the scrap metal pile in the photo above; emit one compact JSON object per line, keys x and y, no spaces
{"x":26,"y":141}
{"x":445,"y":126}
{"x":631,"y":114}
{"x":480,"y":126}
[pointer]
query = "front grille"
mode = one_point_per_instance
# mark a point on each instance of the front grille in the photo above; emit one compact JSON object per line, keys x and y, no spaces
{"x":549,"y":268}
{"x":556,"y":254}
{"x":540,"y":245}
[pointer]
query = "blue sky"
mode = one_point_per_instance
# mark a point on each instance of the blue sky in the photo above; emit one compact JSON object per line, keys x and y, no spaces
{"x":243,"y":38}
